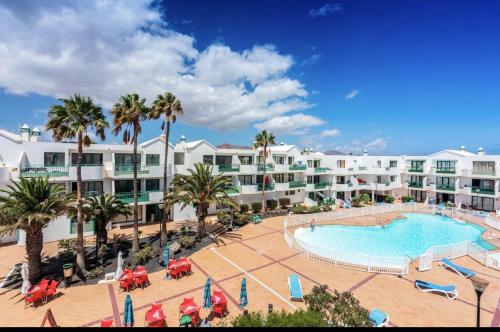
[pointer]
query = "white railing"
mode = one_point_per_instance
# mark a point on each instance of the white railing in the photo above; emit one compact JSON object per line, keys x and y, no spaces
{"x":456,"y":250}
{"x":348,"y":260}
{"x":492,"y":223}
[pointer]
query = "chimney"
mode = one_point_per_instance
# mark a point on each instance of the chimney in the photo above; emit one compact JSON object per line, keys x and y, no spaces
{"x":25,"y":133}
{"x":365,"y":152}
{"x":35,"y":135}
{"x":182,"y":139}
{"x":462,"y":148}
{"x":480,"y":152}
{"x":282,"y":143}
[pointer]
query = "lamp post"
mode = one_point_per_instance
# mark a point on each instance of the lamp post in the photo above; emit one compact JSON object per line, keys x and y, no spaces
{"x":479,"y":285}
{"x":477,"y":197}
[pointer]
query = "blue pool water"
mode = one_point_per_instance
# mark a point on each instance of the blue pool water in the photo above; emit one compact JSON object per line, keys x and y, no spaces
{"x":402,"y":237}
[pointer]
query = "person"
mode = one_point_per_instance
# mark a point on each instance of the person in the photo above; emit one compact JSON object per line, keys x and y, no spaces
{"x":312,"y":224}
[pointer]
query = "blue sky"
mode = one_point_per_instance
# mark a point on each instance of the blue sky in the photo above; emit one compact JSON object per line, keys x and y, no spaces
{"x":391,"y":76}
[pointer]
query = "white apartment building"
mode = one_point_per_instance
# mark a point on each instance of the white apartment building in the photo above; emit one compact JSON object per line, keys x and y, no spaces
{"x":308,"y":177}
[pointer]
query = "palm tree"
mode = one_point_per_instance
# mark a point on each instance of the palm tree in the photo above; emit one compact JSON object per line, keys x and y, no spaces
{"x":103,"y":209}
{"x":170,"y":107}
{"x":129,"y":113}
{"x":30,"y":205}
{"x":76,"y":118}
{"x":200,"y":190}
{"x":263,"y":140}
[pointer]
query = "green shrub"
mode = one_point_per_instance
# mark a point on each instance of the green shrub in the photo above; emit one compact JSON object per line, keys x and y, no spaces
{"x":242,"y":219}
{"x":314,"y":209}
{"x":272,"y":204}
{"x":244,"y":208}
{"x":186,"y":242}
{"x":389,"y":199}
{"x":284,"y":202}
{"x":356,"y":201}
{"x":326,"y":208}
{"x":256,"y":207}
{"x":144,"y":255}
{"x":67,"y":244}
{"x":298,"y":318}
{"x":406,"y":199}
{"x":365,"y":198}
{"x":223,"y":217}
{"x":299,"y":209}
{"x":95,"y":273}
{"x":172,"y":232}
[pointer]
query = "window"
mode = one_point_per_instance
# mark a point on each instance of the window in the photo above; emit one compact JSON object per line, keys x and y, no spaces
{"x":379,"y":179}
{"x":309,"y":179}
{"x":393,"y":178}
{"x":393,"y":163}
{"x":445,"y":182}
{"x":208,"y":159}
{"x":483,"y":184}
{"x":89,"y":187}
{"x":153,"y":159}
{"x":445,"y":166}
{"x":317,"y":163}
{"x":340,"y":163}
{"x":223,"y":160}
{"x":417,"y":165}
{"x":88,"y":159}
{"x":126,"y":186}
{"x":246,"y":160}
{"x":290,"y":193}
{"x":126,"y":159}
{"x":54,"y":159}
{"x":483,"y":203}
{"x":340,"y":179}
{"x":246,"y":179}
{"x":415,"y":179}
{"x":152,"y":184}
{"x":291,"y":177}
{"x":178,"y":158}
{"x":290,"y":160}
{"x":310,"y":163}
{"x":483,"y":167}
{"x":279,"y":178}
{"x":280,"y":160}
{"x":379,"y":163}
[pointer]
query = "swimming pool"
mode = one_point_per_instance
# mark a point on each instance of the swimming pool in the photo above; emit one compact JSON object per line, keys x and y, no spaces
{"x":410,"y":236}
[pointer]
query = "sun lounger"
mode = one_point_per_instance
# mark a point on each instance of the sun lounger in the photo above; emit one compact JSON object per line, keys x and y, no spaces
{"x":378,"y":318}
{"x":462,"y":271}
{"x":295,"y":288}
{"x":450,"y":290}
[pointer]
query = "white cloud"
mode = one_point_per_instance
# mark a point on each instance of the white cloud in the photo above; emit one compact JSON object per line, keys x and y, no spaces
{"x":105,"y":49}
{"x":327,"y":9}
{"x":297,"y":124}
{"x":358,"y":145}
{"x":377,"y":144}
{"x":331,"y":133}
{"x":352,"y":94}
{"x":39,"y":112}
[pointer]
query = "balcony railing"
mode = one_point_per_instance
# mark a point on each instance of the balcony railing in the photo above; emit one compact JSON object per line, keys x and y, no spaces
{"x":129,"y":169}
{"x":445,"y":187}
{"x":267,"y":167}
{"x":51,"y":171}
{"x":362,"y":168}
{"x":484,"y":191}
{"x":321,"y":169}
{"x":267,"y":187}
{"x":415,"y":185}
{"x":297,"y":167}
{"x":296,"y":184}
{"x":232,"y":190}
{"x":229,"y":168}
{"x":416,"y":169}
{"x":486,"y":173}
{"x":142,"y":196}
{"x":320,"y":185}
{"x":445,"y":170}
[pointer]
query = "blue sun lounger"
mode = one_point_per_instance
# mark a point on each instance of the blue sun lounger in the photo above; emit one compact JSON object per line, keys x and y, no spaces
{"x":295,"y":288}
{"x":378,"y":318}
{"x":460,"y":270}
{"x":449,"y":290}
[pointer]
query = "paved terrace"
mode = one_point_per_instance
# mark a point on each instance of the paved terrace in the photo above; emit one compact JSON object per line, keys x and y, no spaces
{"x":265,"y":259}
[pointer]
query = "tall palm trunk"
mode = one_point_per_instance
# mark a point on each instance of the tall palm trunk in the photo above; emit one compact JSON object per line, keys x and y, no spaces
{"x":201,"y":214}
{"x":263,"y":209}
{"x":34,"y":246}
{"x":80,"y":250}
{"x":163,"y":236}
{"x":135,"y":242}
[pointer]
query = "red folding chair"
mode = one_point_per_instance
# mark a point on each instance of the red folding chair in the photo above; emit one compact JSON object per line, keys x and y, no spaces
{"x":155,"y":317}
{"x":106,"y":323}
{"x":51,"y":290}
{"x":34,"y":296}
{"x":219,"y":303}
{"x":190,"y":308}
{"x":127,"y":280}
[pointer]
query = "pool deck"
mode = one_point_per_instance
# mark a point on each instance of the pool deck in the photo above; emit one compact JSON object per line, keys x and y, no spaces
{"x":262,"y":255}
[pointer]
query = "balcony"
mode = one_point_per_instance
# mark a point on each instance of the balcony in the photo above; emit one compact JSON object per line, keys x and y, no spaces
{"x":297,"y":167}
{"x":281,"y":186}
{"x":445,"y":170}
{"x":321,"y":169}
{"x":320,"y":185}
{"x":268,"y":187}
{"x":416,"y":169}
{"x":296,"y":184}
{"x":38,"y":171}
{"x":129,"y":169}
{"x":483,"y":191}
{"x":231,"y":191}
{"x":142,"y":196}
{"x":249,"y":188}
{"x":267,"y":167}
{"x":417,"y":185}
{"x":229,"y":168}
{"x":445,"y":187}
{"x":484,"y":173}
{"x":362,"y":168}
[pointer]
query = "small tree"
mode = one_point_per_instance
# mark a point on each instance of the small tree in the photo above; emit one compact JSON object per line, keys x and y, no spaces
{"x":272,"y":204}
{"x":284,"y":202}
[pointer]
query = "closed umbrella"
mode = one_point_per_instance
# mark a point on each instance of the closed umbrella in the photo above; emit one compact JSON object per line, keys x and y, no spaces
{"x":119,"y":266}
{"x":166,"y":255}
{"x":26,"y":282}
{"x":128,"y":312}
{"x":243,"y":293}
{"x":207,"y":300}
